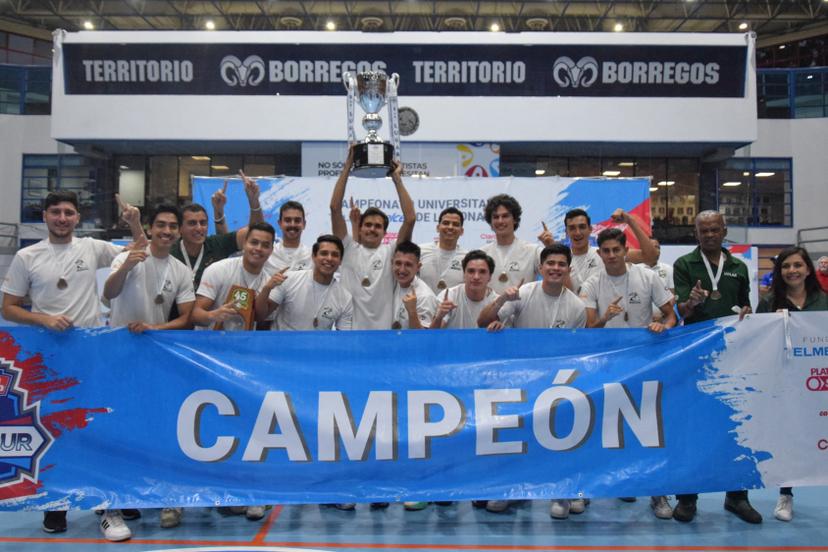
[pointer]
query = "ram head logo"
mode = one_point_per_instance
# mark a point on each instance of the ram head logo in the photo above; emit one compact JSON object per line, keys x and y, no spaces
{"x":236,"y":72}
{"x":568,"y":73}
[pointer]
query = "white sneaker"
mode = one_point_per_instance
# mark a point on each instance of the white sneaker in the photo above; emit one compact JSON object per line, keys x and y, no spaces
{"x":254,"y":513}
{"x":171,"y":517}
{"x":577,"y":506}
{"x":661,"y":507}
{"x":113,"y":527}
{"x":784,"y":508}
{"x":559,"y":509}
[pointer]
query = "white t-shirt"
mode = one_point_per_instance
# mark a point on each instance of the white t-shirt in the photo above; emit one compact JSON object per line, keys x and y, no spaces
{"x":583,"y":267}
{"x":221,"y":276}
{"x":297,"y":258}
{"x":639,"y":288}
{"x":426,"y":304}
{"x":302,"y":300}
{"x":36,"y":270}
{"x":366,"y":274}
{"x":168,"y":277}
{"x":665,"y":274}
{"x":519,"y":261}
{"x":537,"y":309}
{"x":440,"y":265}
{"x":465,"y":314}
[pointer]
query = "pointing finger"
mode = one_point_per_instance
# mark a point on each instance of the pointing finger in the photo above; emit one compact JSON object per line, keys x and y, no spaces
{"x":698,"y":285}
{"x":284,"y":270}
{"x":545,"y":229}
{"x":121,"y":202}
{"x":617,"y":299}
{"x":224,"y":189}
{"x":521,"y":282}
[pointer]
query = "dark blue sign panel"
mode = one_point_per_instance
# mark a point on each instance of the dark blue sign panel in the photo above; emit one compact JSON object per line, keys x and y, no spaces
{"x":425,"y":70}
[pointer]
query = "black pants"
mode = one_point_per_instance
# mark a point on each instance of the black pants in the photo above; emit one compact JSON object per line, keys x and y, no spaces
{"x":730,"y":494}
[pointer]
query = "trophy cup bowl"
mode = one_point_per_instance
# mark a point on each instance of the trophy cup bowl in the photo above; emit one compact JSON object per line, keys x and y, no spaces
{"x":372,"y":156}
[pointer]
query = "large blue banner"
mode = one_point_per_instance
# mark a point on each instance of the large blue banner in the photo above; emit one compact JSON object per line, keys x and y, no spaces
{"x":105,"y":418}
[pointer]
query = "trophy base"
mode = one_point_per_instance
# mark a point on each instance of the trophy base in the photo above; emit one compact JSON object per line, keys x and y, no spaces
{"x":372,"y":160}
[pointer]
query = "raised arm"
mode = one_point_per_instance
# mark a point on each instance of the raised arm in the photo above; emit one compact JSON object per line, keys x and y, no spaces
{"x":132,"y":216}
{"x":647,"y":254}
{"x":219,"y":200}
{"x":406,"y":204}
{"x":251,"y":190}
{"x":338,"y":226}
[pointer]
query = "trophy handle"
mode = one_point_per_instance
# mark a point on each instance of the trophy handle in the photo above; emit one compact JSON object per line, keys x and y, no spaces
{"x":348,"y":80}
{"x":396,"y":78}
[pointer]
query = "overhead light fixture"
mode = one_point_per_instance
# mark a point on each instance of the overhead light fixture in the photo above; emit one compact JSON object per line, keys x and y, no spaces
{"x":88,"y":26}
{"x":781,"y":46}
{"x":742,"y":26}
{"x":626,"y":164}
{"x":746,"y":173}
{"x":731,"y":184}
{"x":494,"y":27}
{"x":201,"y":157}
{"x":653,"y":188}
{"x":809,"y":77}
{"x":540,"y":172}
{"x":666,"y":183}
{"x":611,"y":173}
{"x":618,"y":27}
{"x":123,"y":167}
{"x":764,"y":174}
{"x":330,"y":25}
{"x":220,"y":167}
{"x":210,"y":25}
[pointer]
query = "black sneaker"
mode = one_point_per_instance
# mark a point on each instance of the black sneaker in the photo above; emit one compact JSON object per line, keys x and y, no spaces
{"x":743,"y":510}
{"x":54,"y":522}
{"x":379,"y":505}
{"x":130,"y":514}
{"x":685,"y":510}
{"x":444,"y":503}
{"x":627,"y":498}
{"x":479,"y":503}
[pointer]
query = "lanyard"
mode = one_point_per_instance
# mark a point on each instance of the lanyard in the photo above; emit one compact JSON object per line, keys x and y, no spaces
{"x":186,"y":256}
{"x":713,"y":280}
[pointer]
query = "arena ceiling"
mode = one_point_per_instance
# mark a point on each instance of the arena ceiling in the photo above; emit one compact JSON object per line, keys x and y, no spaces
{"x":774,"y":21}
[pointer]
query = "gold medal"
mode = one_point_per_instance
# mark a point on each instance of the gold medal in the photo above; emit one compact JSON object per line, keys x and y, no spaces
{"x":315,"y":322}
{"x":159,"y":299}
{"x":396,"y":325}
{"x":716,"y":295}
{"x":441,"y":284}
{"x":503,"y":277}
{"x":62,"y":284}
{"x":366,"y":282}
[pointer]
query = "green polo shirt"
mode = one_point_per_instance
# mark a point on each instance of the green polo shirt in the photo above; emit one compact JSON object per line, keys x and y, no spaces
{"x":817,"y":301}
{"x":734,"y":285}
{"x":216,"y":248}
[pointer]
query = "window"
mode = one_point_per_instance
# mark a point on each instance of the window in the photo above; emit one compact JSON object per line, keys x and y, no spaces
{"x":46,"y":173}
{"x":756,"y":191}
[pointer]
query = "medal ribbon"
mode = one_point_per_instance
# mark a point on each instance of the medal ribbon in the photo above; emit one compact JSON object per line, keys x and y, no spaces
{"x":349,"y":81}
{"x":193,"y":268}
{"x":394,"y":113}
{"x":713,"y":280}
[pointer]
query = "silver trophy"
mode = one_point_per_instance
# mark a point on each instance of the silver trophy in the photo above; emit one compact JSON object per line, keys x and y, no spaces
{"x":373,"y":90}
